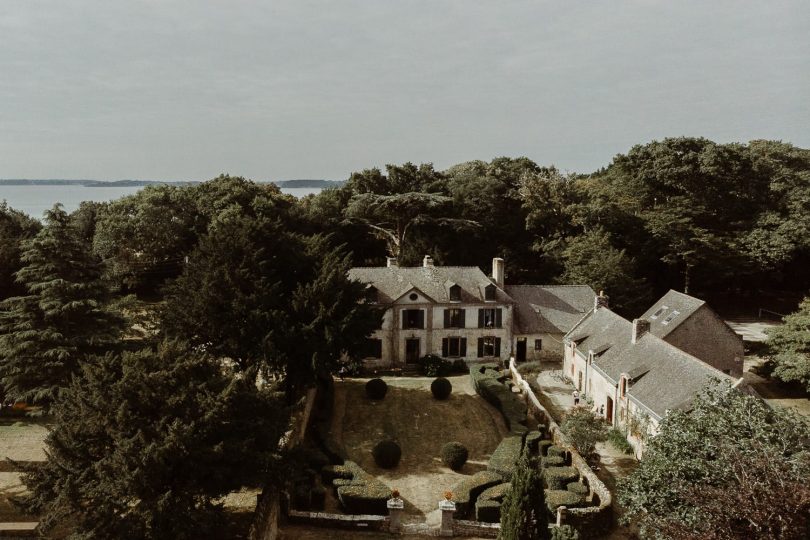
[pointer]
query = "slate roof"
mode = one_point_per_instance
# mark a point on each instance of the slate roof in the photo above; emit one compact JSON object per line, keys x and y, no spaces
{"x":672,"y":309}
{"x":553,"y":309}
{"x":662,"y":376}
{"x":392,"y":282}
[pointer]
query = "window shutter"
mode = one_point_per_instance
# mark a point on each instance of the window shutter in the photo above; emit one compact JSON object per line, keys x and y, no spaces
{"x":498,"y":319}
{"x":497,"y":346}
{"x":445,"y":346}
{"x":463,"y":347}
{"x":447,"y":318}
{"x":420,"y":319}
{"x":480,"y":347}
{"x":480,"y":318}
{"x":462,"y":320}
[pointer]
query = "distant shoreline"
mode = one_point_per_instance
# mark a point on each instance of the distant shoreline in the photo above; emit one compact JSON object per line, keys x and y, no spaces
{"x":323,"y":184}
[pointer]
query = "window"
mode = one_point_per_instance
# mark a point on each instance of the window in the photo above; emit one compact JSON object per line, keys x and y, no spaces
{"x":455,"y":293}
{"x":454,"y":318}
{"x":489,"y":293}
{"x":623,"y":390}
{"x":413,"y":296}
{"x":538,"y":344}
{"x":658,"y":312}
{"x":373,"y":348}
{"x":413,"y":318}
{"x":670,"y":317}
{"x":490,"y":318}
{"x":489,"y":346}
{"x":454,"y":347}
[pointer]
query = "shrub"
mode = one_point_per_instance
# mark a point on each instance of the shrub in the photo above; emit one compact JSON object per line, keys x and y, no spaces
{"x":488,"y":511}
{"x":532,"y":440}
{"x":585,"y":428}
{"x":434,"y":366}
{"x":467,"y":491}
{"x":460,"y":366}
{"x":441,"y":388}
{"x":555,"y":451}
{"x":557,"y":497}
{"x":559,"y":477}
{"x":317,"y":498}
{"x":495,"y":493}
{"x":358,"y":491}
{"x":527,"y":368}
{"x":617,"y":439}
{"x":579,"y":488}
{"x":376,"y":389}
{"x":387,"y":454}
{"x":566,"y":532}
{"x":552,"y":461}
{"x":542,"y":446}
{"x":489,"y":384}
{"x":506,"y":455}
{"x":454,"y":455}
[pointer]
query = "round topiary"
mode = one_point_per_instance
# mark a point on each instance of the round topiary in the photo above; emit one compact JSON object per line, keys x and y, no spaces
{"x":454,"y":455}
{"x":441,"y":388}
{"x":387,"y":454}
{"x":376,"y":389}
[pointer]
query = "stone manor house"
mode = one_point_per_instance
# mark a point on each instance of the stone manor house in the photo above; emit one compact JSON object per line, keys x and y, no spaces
{"x":458,"y":312}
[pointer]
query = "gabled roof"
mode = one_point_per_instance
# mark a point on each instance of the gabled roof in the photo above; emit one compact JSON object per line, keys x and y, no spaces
{"x":553,"y":309}
{"x":662,"y":376}
{"x":433,"y":281}
{"x":670,"y":311}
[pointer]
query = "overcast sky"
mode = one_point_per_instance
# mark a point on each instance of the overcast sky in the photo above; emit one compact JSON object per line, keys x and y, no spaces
{"x":186,"y":89}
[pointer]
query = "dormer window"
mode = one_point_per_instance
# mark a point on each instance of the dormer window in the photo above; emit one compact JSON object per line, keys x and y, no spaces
{"x":658,"y":312}
{"x":670,"y":317}
{"x":489,"y":293}
{"x":455,"y":293}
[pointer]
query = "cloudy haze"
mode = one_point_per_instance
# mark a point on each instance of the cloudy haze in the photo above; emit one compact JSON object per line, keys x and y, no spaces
{"x":296,"y":89}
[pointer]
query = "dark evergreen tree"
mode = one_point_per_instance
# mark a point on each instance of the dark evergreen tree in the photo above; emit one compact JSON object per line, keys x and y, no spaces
{"x":145,"y":443}
{"x":15,"y":227}
{"x":524,"y":513}
{"x":47,"y":332}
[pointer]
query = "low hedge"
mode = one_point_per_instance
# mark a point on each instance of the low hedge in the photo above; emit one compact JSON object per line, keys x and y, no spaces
{"x":488,"y":511}
{"x":454,"y":455}
{"x":579,"y":488}
{"x":376,"y":389}
{"x":490,"y":385}
{"x":552,"y":461}
{"x":543,"y":446}
{"x":387,"y":454}
{"x":357,"y":491}
{"x":554,"y":450}
{"x":441,"y":388}
{"x":532,"y":440}
{"x":495,"y":493}
{"x":561,"y":497}
{"x":559,"y":477}
{"x":467,"y":491}
{"x":506,"y":455}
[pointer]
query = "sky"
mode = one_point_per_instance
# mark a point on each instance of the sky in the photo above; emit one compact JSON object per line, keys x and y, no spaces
{"x":273,"y":90}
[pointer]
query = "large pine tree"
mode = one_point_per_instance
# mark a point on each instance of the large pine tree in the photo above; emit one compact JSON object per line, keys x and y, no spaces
{"x":523,"y":514}
{"x":46,"y":332}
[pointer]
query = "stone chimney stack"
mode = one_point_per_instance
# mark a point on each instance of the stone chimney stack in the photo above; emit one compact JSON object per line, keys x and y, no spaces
{"x":640,"y":327}
{"x":498,"y":269}
{"x":601,"y":300}
{"x":427,"y":262}
{"x":390,"y":262}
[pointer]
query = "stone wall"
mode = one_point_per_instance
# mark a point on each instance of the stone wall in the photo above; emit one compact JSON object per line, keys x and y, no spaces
{"x":339,"y":521}
{"x":477,"y":529}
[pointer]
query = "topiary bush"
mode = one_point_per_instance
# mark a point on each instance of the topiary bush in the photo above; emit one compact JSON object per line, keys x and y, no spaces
{"x":386,"y":454}
{"x":468,"y":490}
{"x":441,"y":388}
{"x":376,"y":389}
{"x":488,"y":511}
{"x":566,"y":532}
{"x":495,"y":493}
{"x":532,"y":439}
{"x":552,"y":461}
{"x":557,"y":497}
{"x":454,"y":455}
{"x":505,"y":456}
{"x":543,"y":446}
{"x":579,"y":488}
{"x":559,"y":477}
{"x":491,"y":385}
{"x":357,"y":491}
{"x":555,"y":451}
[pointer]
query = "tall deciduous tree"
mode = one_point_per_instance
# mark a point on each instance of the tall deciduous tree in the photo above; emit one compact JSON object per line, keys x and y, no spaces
{"x":729,"y":468}
{"x":144,"y":444}
{"x":524,"y":513}
{"x":789,"y":346}
{"x":46,"y":333}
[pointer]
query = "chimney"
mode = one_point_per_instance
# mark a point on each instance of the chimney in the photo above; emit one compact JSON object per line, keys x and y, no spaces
{"x":640,"y":327}
{"x":498,"y":271}
{"x":601,"y":300}
{"x":427,"y":262}
{"x":390,"y":262}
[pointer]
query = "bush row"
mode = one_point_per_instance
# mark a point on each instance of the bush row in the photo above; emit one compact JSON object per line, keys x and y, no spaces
{"x":562,"y":497}
{"x":506,"y":455}
{"x":470,"y":488}
{"x":560,"y":477}
{"x":436,"y":366}
{"x":491,"y":385}
{"x":488,"y":505}
{"x":357,"y":491}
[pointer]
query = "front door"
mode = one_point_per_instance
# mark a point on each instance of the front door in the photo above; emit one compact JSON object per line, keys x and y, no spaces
{"x":520,"y":353}
{"x":609,"y":410}
{"x":412,"y":350}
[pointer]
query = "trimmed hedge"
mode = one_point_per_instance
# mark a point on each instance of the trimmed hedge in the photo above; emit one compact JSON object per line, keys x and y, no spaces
{"x":566,"y":532}
{"x":579,"y":488}
{"x":543,"y":446}
{"x":358,"y":491}
{"x":552,"y":461}
{"x":557,"y":497}
{"x":495,"y":493}
{"x":376,"y":389}
{"x":556,"y":451}
{"x":506,"y":455}
{"x":532,"y":440}
{"x":490,"y":385}
{"x":467,"y":491}
{"x":454,"y":455}
{"x":488,"y":511}
{"x":434,"y":366}
{"x":559,"y":477}
{"x":441,"y":388}
{"x":387,"y":454}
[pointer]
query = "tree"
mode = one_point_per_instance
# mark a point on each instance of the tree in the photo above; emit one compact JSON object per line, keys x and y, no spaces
{"x":584,"y":428}
{"x":144,"y":444}
{"x":729,"y":468}
{"x":46,"y":333}
{"x":15,"y":227}
{"x":524,"y":513}
{"x":789,"y":346}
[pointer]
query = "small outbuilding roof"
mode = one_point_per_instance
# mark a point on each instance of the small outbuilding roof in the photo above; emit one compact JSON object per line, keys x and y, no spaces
{"x":552,"y":309}
{"x":670,"y":311}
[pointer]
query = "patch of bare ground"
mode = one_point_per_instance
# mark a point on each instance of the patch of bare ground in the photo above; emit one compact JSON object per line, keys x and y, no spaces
{"x":23,"y":441}
{"x":421,"y":425}
{"x":774,"y":391}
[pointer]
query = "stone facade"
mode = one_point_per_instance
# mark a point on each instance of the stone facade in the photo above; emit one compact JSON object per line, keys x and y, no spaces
{"x":709,"y":338}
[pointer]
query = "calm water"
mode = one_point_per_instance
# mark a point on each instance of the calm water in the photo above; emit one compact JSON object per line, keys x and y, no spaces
{"x":34,"y":200}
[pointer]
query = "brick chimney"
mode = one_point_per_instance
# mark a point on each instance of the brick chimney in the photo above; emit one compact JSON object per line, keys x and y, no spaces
{"x":427,"y":262}
{"x":390,"y":262}
{"x":640,"y":327}
{"x":601,"y":300}
{"x":498,"y":269}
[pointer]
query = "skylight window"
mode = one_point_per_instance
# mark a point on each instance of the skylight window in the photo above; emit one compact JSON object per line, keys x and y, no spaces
{"x":658,"y":312}
{"x":670,"y":317}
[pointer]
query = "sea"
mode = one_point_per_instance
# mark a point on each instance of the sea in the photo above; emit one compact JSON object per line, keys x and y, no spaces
{"x":34,"y":200}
